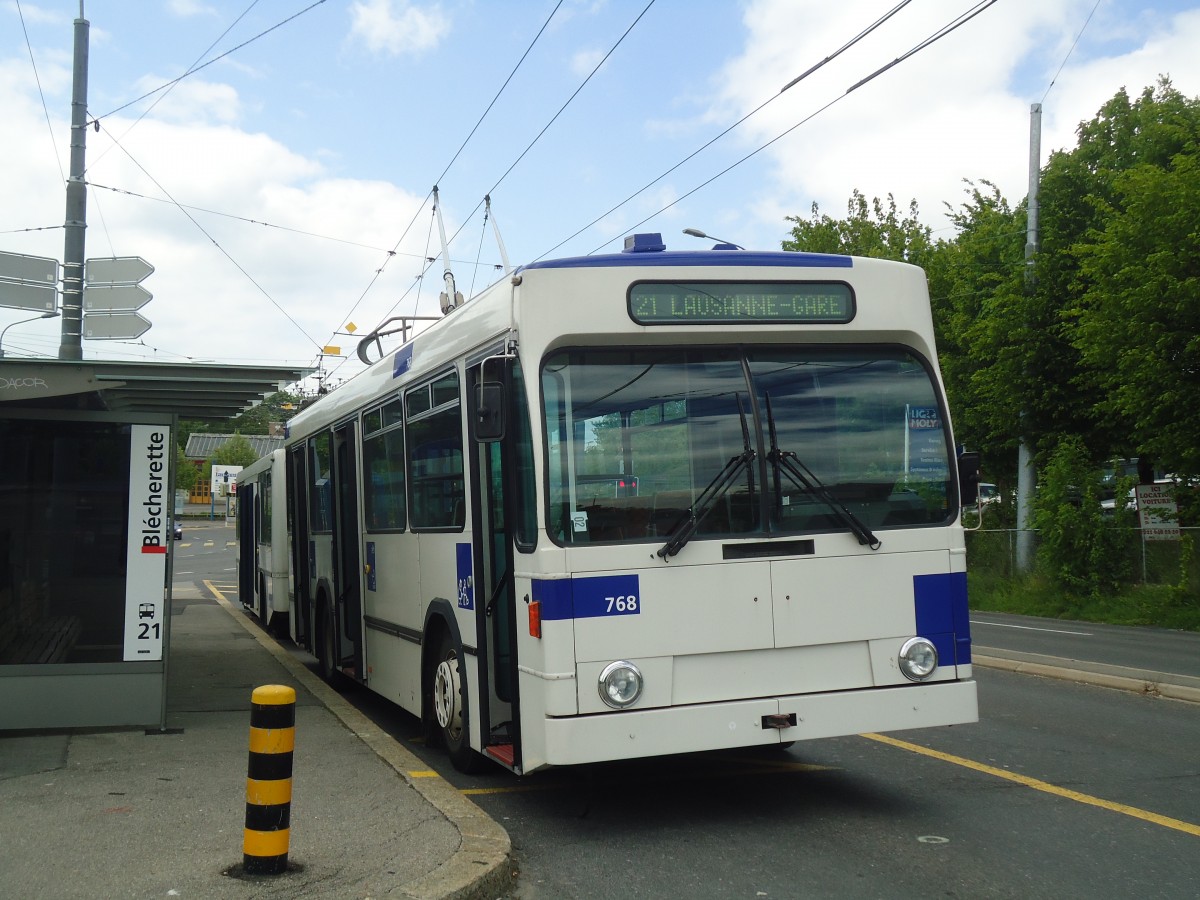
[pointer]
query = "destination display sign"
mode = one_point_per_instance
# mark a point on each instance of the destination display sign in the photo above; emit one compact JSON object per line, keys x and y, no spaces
{"x":741,"y":302}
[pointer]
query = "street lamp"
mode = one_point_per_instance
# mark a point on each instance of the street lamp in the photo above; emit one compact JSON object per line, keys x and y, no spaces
{"x":696,"y":232}
{"x":46,"y":315}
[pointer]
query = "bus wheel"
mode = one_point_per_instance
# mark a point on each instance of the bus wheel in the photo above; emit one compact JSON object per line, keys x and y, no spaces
{"x":327,"y":651}
{"x":448,"y":702}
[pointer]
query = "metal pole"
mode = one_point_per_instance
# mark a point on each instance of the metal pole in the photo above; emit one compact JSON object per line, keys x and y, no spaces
{"x":71,"y":344}
{"x":1026,"y":470}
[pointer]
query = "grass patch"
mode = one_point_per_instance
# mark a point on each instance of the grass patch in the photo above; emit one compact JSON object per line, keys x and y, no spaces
{"x":1160,"y":605}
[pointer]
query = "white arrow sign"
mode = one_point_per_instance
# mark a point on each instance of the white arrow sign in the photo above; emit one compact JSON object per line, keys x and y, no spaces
{"x":32,"y":269}
{"x":19,"y":295}
{"x":116,"y":270}
{"x":115,"y":298}
{"x":121,"y":326}
{"x":28,"y":282}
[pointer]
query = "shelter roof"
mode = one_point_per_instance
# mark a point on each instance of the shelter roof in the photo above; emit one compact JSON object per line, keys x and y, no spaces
{"x":190,"y":390}
{"x":203,"y":444}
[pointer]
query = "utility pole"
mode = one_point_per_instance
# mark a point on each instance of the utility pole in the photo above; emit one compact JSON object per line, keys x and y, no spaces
{"x":75,"y":226}
{"x":1026,"y":470}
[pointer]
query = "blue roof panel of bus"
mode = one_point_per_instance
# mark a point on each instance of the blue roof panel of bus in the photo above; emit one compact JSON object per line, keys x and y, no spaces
{"x":699,"y":258}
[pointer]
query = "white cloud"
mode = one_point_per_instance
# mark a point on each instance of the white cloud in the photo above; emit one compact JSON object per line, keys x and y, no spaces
{"x":188,"y":8}
{"x":958,"y":109}
{"x":192,"y":100}
{"x":36,"y":14}
{"x":1168,"y":49}
{"x":397,"y":27}
{"x":236,"y":290}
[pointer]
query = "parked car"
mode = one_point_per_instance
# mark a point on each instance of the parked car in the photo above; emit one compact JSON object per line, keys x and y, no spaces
{"x":1108,"y":507}
{"x":178,"y":530}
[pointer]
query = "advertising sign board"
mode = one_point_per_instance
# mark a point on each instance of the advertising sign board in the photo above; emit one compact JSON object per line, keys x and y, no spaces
{"x":224,"y":480}
{"x":924,"y":442}
{"x":1158,"y":515}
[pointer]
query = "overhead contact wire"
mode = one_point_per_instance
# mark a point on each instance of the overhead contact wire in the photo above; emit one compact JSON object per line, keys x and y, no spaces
{"x":862,"y":34}
{"x":936,"y":36}
{"x":216,"y":243}
{"x":191,"y":69}
{"x":175,"y":81}
{"x":446,"y":170}
{"x":38,"y":79}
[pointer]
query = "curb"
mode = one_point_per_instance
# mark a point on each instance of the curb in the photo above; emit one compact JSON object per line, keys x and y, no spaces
{"x":1147,"y":683}
{"x":482,"y":865}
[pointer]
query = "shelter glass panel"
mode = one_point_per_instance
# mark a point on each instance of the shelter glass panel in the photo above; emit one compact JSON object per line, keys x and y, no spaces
{"x":64,"y":528}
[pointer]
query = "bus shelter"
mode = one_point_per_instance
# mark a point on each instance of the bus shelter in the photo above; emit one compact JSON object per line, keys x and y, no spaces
{"x":87,"y":477}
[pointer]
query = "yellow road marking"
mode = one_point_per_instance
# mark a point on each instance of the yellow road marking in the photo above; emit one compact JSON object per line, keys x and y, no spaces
{"x":1045,"y":787}
{"x":516,"y":789}
{"x":423,"y":773}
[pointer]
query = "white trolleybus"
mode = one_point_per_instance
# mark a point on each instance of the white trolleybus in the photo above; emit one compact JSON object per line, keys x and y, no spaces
{"x":642,"y":503}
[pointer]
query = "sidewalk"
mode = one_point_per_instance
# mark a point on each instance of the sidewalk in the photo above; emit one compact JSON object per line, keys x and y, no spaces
{"x":1167,"y":685}
{"x":132,"y":814}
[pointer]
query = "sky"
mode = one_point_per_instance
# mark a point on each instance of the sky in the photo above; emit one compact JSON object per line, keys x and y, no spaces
{"x":283,"y":190}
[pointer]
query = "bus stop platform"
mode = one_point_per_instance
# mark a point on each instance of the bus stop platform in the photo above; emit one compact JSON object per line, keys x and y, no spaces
{"x":153,"y":813}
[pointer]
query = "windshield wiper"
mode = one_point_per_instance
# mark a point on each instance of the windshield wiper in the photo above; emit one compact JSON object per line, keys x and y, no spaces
{"x":802,"y":476}
{"x":686,"y":527}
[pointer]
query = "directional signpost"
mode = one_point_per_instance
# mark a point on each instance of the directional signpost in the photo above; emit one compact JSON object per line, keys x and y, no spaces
{"x":112,"y":296}
{"x":28,"y":282}
{"x":115,"y":298}
{"x":114,"y":327}
{"x":117,"y":270}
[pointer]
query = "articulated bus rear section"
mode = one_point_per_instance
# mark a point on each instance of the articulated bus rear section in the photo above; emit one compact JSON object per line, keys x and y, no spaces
{"x":263,"y":558}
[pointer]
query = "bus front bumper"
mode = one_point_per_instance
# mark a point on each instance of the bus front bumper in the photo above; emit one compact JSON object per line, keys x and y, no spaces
{"x":720,"y":726}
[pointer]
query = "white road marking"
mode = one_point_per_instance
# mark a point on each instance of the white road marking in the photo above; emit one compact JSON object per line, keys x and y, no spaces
{"x":1032,"y":628}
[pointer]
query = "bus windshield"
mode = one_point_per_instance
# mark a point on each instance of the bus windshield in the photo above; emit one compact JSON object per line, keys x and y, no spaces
{"x":635,"y":437}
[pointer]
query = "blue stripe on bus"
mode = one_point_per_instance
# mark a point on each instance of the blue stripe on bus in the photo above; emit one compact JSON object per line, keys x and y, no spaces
{"x":587,"y":598}
{"x":402,"y":361}
{"x":942,"y":615}
{"x":708,"y":258}
{"x":464,"y":571}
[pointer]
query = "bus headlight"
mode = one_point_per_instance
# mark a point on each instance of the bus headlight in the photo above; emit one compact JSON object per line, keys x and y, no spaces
{"x":918,"y":658}
{"x":620,"y":684}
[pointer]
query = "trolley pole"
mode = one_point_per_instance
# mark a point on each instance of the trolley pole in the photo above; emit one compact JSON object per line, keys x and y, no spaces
{"x":71,"y":343}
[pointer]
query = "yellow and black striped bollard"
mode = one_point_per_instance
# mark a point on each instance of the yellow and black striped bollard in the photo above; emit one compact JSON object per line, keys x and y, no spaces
{"x":269,"y":780}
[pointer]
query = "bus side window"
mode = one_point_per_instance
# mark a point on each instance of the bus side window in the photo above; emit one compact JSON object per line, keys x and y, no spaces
{"x":383,"y":481}
{"x":319,"y":513}
{"x":435,"y":455}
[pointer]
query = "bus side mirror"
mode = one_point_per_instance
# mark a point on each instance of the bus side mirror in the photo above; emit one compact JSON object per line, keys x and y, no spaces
{"x":489,"y":411}
{"x":968,"y":478}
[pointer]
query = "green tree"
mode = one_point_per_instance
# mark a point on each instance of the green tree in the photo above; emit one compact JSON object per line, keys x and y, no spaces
{"x":1081,"y":549}
{"x":186,"y":474}
{"x":237,"y":451}
{"x":278,"y":407}
{"x":869,"y":229}
{"x":1138,"y":320}
{"x":1088,"y":284}
{"x":976,"y":287}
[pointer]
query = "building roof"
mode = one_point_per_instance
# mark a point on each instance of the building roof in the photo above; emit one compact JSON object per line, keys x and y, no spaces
{"x":190,"y":390}
{"x":202,"y":445}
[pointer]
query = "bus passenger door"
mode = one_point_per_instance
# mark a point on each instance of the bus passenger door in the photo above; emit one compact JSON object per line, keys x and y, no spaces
{"x":493,"y":552}
{"x":347,"y":611}
{"x":247,"y":547}
{"x":301,"y":560}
